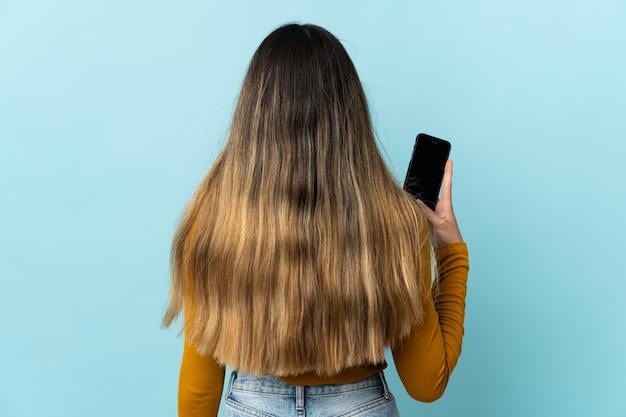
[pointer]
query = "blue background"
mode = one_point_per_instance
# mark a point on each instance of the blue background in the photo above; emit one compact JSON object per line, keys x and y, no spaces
{"x":111,"y":112}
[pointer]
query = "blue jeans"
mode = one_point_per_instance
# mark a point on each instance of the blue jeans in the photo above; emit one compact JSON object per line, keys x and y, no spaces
{"x":267,"y":396}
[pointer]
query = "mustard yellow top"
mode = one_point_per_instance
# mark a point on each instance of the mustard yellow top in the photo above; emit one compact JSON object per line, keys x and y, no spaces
{"x":424,"y":360}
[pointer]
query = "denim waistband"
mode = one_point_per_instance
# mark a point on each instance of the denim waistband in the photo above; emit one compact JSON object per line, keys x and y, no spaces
{"x":270,"y":385}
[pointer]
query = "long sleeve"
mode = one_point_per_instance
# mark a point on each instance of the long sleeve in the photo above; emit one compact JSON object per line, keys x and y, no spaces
{"x":426,"y":359}
{"x":200,"y":384}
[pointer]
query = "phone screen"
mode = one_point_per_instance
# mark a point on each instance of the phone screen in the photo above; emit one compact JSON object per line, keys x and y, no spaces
{"x":425,"y":173}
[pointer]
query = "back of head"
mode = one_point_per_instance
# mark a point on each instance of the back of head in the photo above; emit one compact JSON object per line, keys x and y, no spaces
{"x":299,"y":252}
{"x":302,"y":91}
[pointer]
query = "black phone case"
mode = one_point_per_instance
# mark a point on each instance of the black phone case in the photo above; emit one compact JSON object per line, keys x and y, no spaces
{"x":425,"y":172}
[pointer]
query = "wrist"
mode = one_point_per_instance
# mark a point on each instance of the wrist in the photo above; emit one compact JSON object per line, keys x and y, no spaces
{"x":447,"y":239}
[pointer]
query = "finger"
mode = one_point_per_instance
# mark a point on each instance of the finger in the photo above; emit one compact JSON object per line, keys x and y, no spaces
{"x":446,"y":184}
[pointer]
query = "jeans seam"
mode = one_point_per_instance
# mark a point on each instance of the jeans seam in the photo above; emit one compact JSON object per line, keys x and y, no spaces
{"x":265,"y":393}
{"x":331,"y":394}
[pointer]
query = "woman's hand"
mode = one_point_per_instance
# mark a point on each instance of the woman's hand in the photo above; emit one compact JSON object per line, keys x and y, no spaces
{"x":443,"y":226}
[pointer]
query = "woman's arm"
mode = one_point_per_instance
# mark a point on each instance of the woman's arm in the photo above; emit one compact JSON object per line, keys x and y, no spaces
{"x":200,"y":384}
{"x":425,"y":360}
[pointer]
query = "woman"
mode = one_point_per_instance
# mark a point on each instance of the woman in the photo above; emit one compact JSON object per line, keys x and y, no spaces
{"x":299,"y":258}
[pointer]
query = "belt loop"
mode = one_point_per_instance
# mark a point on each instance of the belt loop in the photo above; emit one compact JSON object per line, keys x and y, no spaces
{"x":385,"y":386}
{"x":299,"y":398}
{"x":230,"y":384}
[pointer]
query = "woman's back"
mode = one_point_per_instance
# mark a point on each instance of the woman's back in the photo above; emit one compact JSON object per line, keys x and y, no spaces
{"x":300,"y":257}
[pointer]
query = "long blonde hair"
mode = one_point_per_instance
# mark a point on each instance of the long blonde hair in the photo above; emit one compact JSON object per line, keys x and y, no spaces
{"x":299,"y":252}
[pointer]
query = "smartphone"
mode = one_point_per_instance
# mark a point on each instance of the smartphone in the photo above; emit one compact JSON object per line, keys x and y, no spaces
{"x":425,"y":173}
